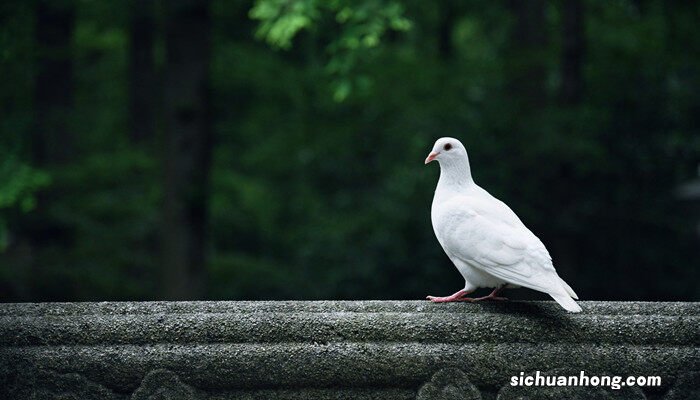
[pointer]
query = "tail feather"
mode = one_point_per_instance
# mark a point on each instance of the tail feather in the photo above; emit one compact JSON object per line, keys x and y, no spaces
{"x":566,"y":302}
{"x":568,"y":289}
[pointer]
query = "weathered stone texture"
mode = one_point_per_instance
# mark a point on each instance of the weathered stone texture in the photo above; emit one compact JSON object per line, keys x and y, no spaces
{"x":341,"y":350}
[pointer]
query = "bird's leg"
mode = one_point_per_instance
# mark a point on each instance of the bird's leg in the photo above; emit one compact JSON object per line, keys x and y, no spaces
{"x":493,"y":295}
{"x":459,"y":296}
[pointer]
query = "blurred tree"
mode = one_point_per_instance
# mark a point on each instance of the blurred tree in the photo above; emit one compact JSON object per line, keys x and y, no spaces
{"x":563,"y":178}
{"x":53,"y":139}
{"x":573,"y":49}
{"x":527,"y":55}
{"x":448,"y":18}
{"x":188,"y":142}
{"x":582,"y":116}
{"x":142,"y":74}
{"x":20,"y":180}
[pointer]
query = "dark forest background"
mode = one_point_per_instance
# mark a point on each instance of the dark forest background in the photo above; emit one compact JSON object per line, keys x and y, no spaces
{"x":178,"y":149}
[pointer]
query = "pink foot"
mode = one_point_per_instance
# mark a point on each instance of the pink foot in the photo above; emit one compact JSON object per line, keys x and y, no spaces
{"x":489,"y":297}
{"x":459,"y":296}
{"x":493,"y":295}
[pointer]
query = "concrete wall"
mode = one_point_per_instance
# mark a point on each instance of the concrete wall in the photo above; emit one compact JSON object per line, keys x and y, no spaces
{"x":342,"y":350}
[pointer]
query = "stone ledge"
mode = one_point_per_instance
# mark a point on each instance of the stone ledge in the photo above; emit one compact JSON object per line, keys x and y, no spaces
{"x":341,"y":350}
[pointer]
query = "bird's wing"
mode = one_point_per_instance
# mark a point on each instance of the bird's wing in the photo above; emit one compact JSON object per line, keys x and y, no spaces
{"x":503,"y":249}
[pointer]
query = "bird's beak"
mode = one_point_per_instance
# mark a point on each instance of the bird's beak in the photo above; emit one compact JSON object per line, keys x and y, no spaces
{"x":431,"y":156}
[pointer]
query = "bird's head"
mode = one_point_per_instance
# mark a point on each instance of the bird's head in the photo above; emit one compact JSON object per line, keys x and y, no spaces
{"x":447,"y":150}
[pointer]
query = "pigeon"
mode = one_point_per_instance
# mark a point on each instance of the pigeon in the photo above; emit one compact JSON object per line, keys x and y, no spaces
{"x":484,"y":238}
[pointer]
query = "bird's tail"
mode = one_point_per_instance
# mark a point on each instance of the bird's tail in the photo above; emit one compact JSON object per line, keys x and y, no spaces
{"x":566,"y":302}
{"x":568,"y":289}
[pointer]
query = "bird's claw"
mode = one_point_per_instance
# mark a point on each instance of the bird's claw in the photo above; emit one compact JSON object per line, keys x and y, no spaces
{"x":495,"y":298}
{"x":447,"y":299}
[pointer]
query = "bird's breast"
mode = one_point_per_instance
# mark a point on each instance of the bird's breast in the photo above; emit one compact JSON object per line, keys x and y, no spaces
{"x":447,"y":218}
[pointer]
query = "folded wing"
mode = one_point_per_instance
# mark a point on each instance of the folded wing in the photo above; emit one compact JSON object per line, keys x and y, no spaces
{"x":505,"y":248}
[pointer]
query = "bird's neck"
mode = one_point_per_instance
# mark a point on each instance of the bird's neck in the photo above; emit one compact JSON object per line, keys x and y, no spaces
{"x":455,"y":175}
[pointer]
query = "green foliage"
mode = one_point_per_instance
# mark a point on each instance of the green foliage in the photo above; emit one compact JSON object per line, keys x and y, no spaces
{"x":361,"y":26}
{"x":281,"y":20}
{"x":19,"y":184}
{"x":363,"y":23}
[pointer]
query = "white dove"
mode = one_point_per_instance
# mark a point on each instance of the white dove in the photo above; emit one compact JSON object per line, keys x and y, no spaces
{"x":484,"y":238}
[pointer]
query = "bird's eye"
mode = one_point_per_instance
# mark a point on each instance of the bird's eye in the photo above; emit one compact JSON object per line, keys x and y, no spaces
{"x":447,"y":147}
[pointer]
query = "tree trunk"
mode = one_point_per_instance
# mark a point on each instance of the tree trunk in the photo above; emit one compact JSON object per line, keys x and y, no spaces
{"x":570,"y":95}
{"x":188,"y":141}
{"x":142,"y":85}
{"x":53,"y":142}
{"x":571,"y":91}
{"x":528,"y":69}
{"x":445,"y":28}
